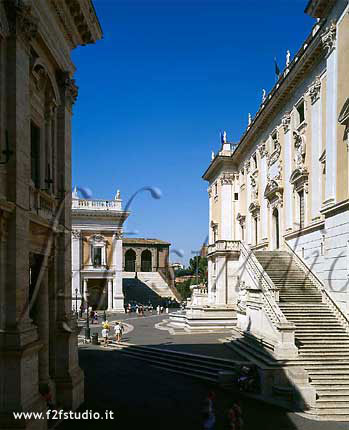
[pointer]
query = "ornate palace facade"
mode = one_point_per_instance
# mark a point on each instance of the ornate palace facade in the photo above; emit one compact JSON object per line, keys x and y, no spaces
{"x":286,"y":183}
{"x":38,"y":345}
{"x":97,"y":253}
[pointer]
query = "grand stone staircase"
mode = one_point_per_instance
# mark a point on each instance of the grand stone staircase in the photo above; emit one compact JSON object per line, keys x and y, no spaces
{"x":321,"y":338}
{"x":146,"y":287}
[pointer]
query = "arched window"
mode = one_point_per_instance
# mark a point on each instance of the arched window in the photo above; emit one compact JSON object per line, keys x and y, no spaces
{"x":130,"y":261}
{"x":146,"y":261}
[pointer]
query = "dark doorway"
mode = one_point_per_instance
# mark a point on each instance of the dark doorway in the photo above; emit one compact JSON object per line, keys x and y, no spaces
{"x":130,"y":261}
{"x":146,"y":261}
{"x":276,"y":228}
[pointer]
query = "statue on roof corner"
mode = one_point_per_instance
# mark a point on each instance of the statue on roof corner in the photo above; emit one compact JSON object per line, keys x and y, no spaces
{"x":288,"y":56}
{"x":117,"y":196}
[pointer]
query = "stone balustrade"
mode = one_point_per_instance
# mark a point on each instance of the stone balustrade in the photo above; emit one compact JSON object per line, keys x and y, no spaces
{"x":224,"y":245}
{"x":41,"y":203}
{"x":95,"y":205}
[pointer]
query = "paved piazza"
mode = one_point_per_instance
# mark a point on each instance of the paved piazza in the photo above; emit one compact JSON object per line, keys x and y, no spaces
{"x":144,"y":396}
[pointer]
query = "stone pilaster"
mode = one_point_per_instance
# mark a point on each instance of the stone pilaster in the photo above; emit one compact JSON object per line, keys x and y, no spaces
{"x":118,"y":296}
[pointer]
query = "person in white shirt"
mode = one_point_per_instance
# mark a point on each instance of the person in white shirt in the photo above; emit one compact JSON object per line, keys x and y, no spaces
{"x":117,"y":329}
{"x":105,"y":335}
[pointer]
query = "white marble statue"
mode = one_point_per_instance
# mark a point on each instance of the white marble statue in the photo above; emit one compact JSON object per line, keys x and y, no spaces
{"x":249,"y":119}
{"x":288,"y":56}
{"x":117,"y":196}
{"x":264,"y":95}
{"x":212,"y":155}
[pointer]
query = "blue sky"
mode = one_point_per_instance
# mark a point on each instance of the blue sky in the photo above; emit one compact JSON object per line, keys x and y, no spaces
{"x":156,"y":91}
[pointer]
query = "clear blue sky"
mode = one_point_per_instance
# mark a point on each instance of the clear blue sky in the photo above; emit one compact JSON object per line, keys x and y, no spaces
{"x":154,"y":94}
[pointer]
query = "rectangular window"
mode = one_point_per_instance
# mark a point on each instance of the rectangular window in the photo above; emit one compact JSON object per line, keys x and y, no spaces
{"x":256,"y":230}
{"x":301,"y":209}
{"x":35,"y":154}
{"x":301,"y":112}
{"x":255,"y":161}
{"x":236,"y":196}
{"x":97,"y":256}
{"x":215,"y":189}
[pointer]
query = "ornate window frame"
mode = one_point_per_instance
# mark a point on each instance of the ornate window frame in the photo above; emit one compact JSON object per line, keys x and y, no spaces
{"x":98,"y":241}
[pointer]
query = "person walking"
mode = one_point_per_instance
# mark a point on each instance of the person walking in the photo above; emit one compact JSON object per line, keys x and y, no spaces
{"x":121,"y":330}
{"x":105,"y":335}
{"x":117,"y":330}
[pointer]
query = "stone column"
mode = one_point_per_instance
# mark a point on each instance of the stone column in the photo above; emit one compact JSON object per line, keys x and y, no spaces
{"x":329,"y":43}
{"x":76,"y":264}
{"x":249,"y":221}
{"x":110,"y":294}
{"x":264,"y":203}
{"x":316,"y":150}
{"x":85,"y":290}
{"x":226,"y":206}
{"x":69,"y":377}
{"x":221,"y":280}
{"x":210,"y":281}
{"x":118,"y":296}
{"x":288,"y":193}
{"x":42,"y":320}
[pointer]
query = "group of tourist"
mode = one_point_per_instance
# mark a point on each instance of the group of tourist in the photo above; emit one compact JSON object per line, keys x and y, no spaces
{"x":140,"y":309}
{"x":233,"y":416}
{"x":118,"y":332}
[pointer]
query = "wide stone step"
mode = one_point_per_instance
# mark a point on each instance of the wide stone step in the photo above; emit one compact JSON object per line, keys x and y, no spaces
{"x":323,"y":354}
{"x":324,"y":343}
{"x":336,"y":383}
{"x":317,"y":324}
{"x":335,"y":391}
{"x":325,"y":347}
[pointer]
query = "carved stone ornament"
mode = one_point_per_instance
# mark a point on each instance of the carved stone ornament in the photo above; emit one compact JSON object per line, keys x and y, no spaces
{"x":263,"y":150}
{"x":247,"y":166}
{"x":300,"y":147}
{"x":76,"y":234}
{"x":274,"y":193}
{"x":274,"y":156}
{"x":227,"y":178}
{"x":254,"y":186}
{"x":286,"y":121}
{"x":299,"y":179}
{"x":68,"y":86}
{"x":241,"y":219}
{"x":97,"y":238}
{"x":209,"y":191}
{"x":254,"y":208}
{"x":328,"y":38}
{"x":20,"y":19}
{"x":314,"y":90}
{"x":118,"y":234}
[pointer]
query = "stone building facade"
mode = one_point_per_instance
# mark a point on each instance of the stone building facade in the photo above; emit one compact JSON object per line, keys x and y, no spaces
{"x":38,"y":343}
{"x":286,"y":182}
{"x":97,"y":227}
{"x":145,"y":255}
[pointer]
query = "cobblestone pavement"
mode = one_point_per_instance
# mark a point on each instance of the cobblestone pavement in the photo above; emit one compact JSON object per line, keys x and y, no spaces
{"x":143,"y":396}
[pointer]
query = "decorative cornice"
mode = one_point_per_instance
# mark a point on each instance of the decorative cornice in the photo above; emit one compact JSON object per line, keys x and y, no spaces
{"x":286,"y":121}
{"x":328,"y":38}
{"x":314,"y":90}
{"x":20,"y":19}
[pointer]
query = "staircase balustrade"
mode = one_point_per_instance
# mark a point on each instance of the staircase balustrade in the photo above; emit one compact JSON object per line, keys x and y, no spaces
{"x":326,"y":296}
